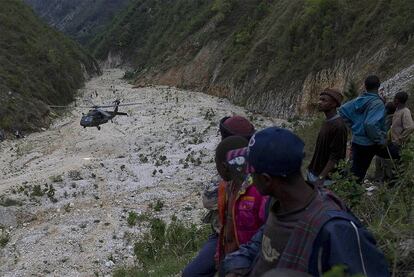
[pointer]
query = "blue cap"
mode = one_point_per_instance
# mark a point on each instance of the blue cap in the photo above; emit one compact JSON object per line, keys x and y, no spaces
{"x":275,"y":151}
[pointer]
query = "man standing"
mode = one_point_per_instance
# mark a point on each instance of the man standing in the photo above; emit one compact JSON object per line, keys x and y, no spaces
{"x":331,"y":143}
{"x":308,"y":229}
{"x":366,"y":117}
{"x":402,"y":122}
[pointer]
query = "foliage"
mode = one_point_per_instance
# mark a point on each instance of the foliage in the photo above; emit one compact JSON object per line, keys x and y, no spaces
{"x":351,"y":91}
{"x":165,"y":249}
{"x":91,"y":15}
{"x":388,"y":213}
{"x":38,"y":66}
{"x":161,"y":26}
{"x":132,"y":219}
{"x":346,"y":185}
{"x":261,"y":47}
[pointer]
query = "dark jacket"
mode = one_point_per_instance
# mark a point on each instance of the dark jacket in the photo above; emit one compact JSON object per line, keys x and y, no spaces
{"x":341,"y":240}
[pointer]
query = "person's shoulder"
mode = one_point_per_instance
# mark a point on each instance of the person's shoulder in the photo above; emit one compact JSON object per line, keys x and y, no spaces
{"x":338,"y":124}
{"x":406,"y":110}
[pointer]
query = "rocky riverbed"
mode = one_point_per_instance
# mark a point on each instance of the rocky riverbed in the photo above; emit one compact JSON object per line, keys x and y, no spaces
{"x":65,"y":193}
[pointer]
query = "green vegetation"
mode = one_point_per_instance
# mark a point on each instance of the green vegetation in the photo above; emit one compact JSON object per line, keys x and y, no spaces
{"x":165,"y":249}
{"x":38,"y":66}
{"x":132,"y":219}
{"x":262,"y":48}
{"x":90,"y":16}
{"x":147,"y":30}
{"x":159,"y":204}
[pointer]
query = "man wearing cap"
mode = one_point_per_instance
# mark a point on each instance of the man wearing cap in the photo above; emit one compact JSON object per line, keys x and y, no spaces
{"x":330,"y":146}
{"x":308,"y":228}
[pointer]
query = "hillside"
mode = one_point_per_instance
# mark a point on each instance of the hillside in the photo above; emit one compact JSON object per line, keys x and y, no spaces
{"x":80,"y":19}
{"x":271,"y":56}
{"x":38,"y":67}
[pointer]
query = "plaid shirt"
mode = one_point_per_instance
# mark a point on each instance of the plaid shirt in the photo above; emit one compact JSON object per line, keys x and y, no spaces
{"x":300,"y":245}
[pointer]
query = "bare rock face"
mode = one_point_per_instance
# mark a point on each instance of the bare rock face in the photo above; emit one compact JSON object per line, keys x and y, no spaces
{"x":336,"y":77}
{"x":113,"y":60}
{"x":403,"y":80}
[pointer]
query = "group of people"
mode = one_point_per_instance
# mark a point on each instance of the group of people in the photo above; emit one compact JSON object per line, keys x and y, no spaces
{"x":269,"y":220}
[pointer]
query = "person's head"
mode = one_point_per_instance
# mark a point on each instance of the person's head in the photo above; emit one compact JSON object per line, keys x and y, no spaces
{"x":390,"y":108}
{"x":226,"y":145}
{"x":275,"y":158}
{"x":372,"y":83}
{"x":329,"y":99}
{"x":400,"y":98}
{"x":236,"y":126}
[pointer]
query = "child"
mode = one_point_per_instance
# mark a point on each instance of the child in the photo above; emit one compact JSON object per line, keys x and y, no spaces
{"x":203,"y":264}
{"x":241,"y":207}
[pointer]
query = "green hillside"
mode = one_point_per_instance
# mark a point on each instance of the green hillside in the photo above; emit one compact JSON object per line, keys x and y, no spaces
{"x":38,"y":66}
{"x":79,"y":19}
{"x":271,"y":56}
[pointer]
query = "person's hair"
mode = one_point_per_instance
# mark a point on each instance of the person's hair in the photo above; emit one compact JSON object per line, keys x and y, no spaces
{"x":390,"y":108}
{"x":227,"y":144}
{"x":372,"y":82}
{"x":402,"y":97}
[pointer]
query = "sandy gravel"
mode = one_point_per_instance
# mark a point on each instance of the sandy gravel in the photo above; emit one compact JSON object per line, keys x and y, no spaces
{"x":100,"y":176}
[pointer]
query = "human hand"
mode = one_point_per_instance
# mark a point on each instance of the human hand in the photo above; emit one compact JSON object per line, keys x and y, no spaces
{"x":319,"y":182}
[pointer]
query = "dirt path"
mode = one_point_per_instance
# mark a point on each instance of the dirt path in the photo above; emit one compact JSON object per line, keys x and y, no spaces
{"x":65,"y":193}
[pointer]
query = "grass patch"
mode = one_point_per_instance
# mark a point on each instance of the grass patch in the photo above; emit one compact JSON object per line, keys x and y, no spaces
{"x":165,"y":249}
{"x":159,"y":204}
{"x":132,"y":219}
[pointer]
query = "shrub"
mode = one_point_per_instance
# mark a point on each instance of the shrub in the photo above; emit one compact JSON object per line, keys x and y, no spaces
{"x":387,"y":211}
{"x":165,"y":248}
{"x":132,"y":219}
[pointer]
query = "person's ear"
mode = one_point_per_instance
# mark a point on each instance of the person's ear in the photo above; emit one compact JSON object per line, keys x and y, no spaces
{"x":267,"y":179}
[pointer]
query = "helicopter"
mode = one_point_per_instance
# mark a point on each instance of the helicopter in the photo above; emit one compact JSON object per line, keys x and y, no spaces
{"x":96,"y":116}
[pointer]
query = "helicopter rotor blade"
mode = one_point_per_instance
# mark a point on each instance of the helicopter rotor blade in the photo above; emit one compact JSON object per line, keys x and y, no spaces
{"x":61,"y":106}
{"x":120,"y":105}
{"x":130,"y":104}
{"x":103,"y":112}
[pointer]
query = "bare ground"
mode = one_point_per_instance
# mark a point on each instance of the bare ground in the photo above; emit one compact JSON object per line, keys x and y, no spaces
{"x":87,"y":181}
